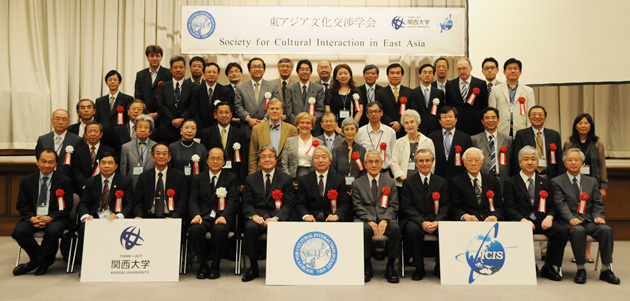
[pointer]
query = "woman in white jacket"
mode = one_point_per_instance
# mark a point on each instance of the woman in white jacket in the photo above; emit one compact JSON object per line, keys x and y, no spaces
{"x":405,"y":148}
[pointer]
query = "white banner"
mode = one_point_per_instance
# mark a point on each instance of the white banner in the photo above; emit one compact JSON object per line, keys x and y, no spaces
{"x":320,"y":29}
{"x":487,"y":253}
{"x":131,"y":250}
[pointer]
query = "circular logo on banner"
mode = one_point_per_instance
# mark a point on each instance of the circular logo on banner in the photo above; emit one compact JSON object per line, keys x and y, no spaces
{"x":397,"y":22}
{"x":485,"y":255}
{"x":201,"y":24}
{"x":130,"y":237}
{"x":315,"y":253}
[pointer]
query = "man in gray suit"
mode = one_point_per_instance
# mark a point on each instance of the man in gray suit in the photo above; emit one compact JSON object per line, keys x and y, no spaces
{"x":250,"y":96}
{"x":580,"y":204}
{"x":496,"y":157}
{"x":298,"y":94}
{"x":329,"y":124}
{"x":285,"y":67}
{"x":135,"y":155}
{"x":60,"y":140}
{"x":375,"y":201}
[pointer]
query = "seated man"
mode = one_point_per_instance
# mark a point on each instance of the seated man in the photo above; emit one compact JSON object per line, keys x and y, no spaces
{"x":44,"y":202}
{"x":585,"y":214}
{"x":84,"y":163}
{"x":322,"y":194}
{"x":528,"y":198}
{"x":212,"y":204}
{"x":477,"y":197}
{"x":423,"y":204}
{"x":375,"y":200}
{"x":268,"y":197}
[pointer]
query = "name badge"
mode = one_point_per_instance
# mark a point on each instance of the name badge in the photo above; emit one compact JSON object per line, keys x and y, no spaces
{"x":542,"y":163}
{"x":137,"y":170}
{"x":349,"y":180}
{"x":344,"y":114}
{"x":228,"y":164}
{"x":104,"y":214}
{"x":213,"y":214}
{"x":411,"y":166}
{"x":585,"y":169}
{"x":187,"y":170}
{"x":43,"y":211}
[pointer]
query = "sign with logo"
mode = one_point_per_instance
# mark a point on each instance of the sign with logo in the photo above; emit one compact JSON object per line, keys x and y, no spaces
{"x":300,"y":253}
{"x":131,"y":250}
{"x":487,"y":253}
{"x":320,"y":29}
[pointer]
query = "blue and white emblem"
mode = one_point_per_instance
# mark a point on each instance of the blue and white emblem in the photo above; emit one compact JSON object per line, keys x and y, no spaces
{"x":315,"y":253}
{"x":201,"y":25}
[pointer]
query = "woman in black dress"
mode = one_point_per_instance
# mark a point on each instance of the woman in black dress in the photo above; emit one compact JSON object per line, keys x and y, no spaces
{"x":343,"y":97}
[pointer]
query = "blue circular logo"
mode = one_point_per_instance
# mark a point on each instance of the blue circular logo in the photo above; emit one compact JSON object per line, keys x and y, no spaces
{"x":485,"y":255}
{"x":397,"y":22}
{"x":130,"y":238}
{"x":201,"y":24}
{"x":315,"y":253}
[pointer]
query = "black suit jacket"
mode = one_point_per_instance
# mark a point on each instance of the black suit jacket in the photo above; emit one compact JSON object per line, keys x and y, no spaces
{"x":144,"y":194}
{"x":93,"y":194}
{"x":429,"y":122}
{"x":211,"y":138}
{"x":526,"y":137}
{"x":391,"y":108}
{"x":47,"y":141}
{"x":74,"y":128}
{"x":82,"y":168}
{"x":203,"y":200}
{"x":29,"y":194}
{"x":255,"y":202}
{"x":310,"y":202}
{"x":364,"y":101}
{"x":202,"y":110}
{"x":416,"y":203}
{"x":109,"y":118}
{"x":170,"y":108}
{"x":446,"y":168}
{"x":121,"y":136}
{"x":469,"y":116}
{"x":464,"y":201}
{"x":146,"y":90}
{"x":517,"y":202}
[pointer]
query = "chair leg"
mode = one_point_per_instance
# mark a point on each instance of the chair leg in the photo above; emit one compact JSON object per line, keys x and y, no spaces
{"x":181,"y":260}
{"x":70,"y":255}
{"x":17,"y":261}
{"x":74,"y":254}
{"x":597,"y":258}
{"x":186,"y":257}
{"x":402,"y":259}
{"x":237,"y":262}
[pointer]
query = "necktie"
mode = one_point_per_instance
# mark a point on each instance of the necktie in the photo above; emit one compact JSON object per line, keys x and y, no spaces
{"x":370,"y":94}
{"x":133,"y":133}
{"x":93,"y":155}
{"x":284,"y":88}
{"x":159,"y":196}
{"x":396,"y":93}
{"x":426,"y":184}
{"x":530,"y":190}
{"x":224,"y":137}
{"x":321,"y":185}
{"x":447,"y":144}
{"x":329,"y":143}
{"x":275,"y":126}
{"x":489,"y":88}
{"x":493,"y":157}
{"x":539,"y":149}
{"x":304,"y":94}
{"x":256,"y":91}
{"x":426,"y":97}
{"x":576,"y":187}
{"x":105,"y":199}
{"x":58,"y":144}
{"x":210,"y":98}
{"x":213,"y":183}
{"x":464,"y":90}
{"x":267,"y":186}
{"x":325,"y":87}
{"x":142,"y":150}
{"x":111,"y":103}
{"x":43,"y":200}
{"x":477,"y":191}
{"x":374,"y":189}
{"x":177,"y":92}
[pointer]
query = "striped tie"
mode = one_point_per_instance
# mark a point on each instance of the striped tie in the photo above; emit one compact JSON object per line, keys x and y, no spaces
{"x":464,"y":90}
{"x":493,"y":157}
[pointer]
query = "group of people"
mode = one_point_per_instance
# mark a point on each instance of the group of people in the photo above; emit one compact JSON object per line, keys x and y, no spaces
{"x":397,"y":159}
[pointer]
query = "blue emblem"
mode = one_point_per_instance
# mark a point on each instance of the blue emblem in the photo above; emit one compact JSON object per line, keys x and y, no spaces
{"x":397,"y":22}
{"x":485,"y":255}
{"x":130,"y":238}
{"x":315,"y":253}
{"x":201,"y":24}
{"x":447,"y":24}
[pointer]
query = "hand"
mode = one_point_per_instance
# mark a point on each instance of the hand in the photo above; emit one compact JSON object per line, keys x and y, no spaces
{"x":270,"y":220}
{"x":112,"y":216}
{"x":137,"y":217}
{"x":240,"y":188}
{"x":339,"y":132}
{"x":547,"y":222}
{"x":177,"y":122}
{"x":599,"y":220}
{"x":295,"y":186}
{"x":470,"y":218}
{"x":524,"y":220}
{"x":252,"y":121}
{"x":382,"y":226}
{"x":45,"y":220}
{"x":374,"y":227}
{"x":34,"y":220}
{"x":220,"y":221}
{"x":89,"y":218}
{"x":395,"y":125}
{"x":196,"y":220}
{"x":332,"y":218}
{"x":603,"y":193}
{"x":153,"y":115}
{"x":575,"y":221}
{"x":168,"y":218}
{"x":258,"y":219}
{"x":491,"y":218}
{"x":402,"y":178}
{"x":236,"y":120}
{"x":284,"y":117}
{"x":309,"y":218}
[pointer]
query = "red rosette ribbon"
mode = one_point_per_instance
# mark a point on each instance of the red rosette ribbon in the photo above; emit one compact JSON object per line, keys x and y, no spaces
{"x":383,"y":147}
{"x":119,"y":195}
{"x":314,"y":144}
{"x":119,"y":119}
{"x":490,"y":195}
{"x":60,"y":202}
{"x":385,"y":199}
{"x":582,"y":207}
{"x":502,"y":159}
{"x":160,"y":82}
{"x":471,"y":98}
{"x":403,"y":104}
{"x":458,"y":155}
{"x":97,"y":170}
{"x":357,"y":160}
{"x":436,"y":202}
{"x":542,"y":204}
{"x":277,"y":198}
{"x":521,"y":100}
{"x":552,"y":148}
{"x":171,"y":202}
{"x":332,"y":196}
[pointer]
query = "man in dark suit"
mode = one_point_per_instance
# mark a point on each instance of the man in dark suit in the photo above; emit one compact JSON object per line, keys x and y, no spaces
{"x":228,"y":138}
{"x":324,"y":71}
{"x":173,"y":101}
{"x":441,"y":71}
{"x":213,"y":203}
{"x":126,"y":132}
{"x":234,"y":73}
{"x":328,"y":125}
{"x":544,"y":140}
{"x":496,"y":162}
{"x":148,"y":80}
{"x":375,"y":202}
{"x":477,"y":196}
{"x":423,"y":204}
{"x":84,"y":163}
{"x":285,"y":67}
{"x":425,"y":96}
{"x":107,"y":107}
{"x":161,"y":192}
{"x":85,"y":111}
{"x":202,"y":107}
{"x":44,"y":202}
{"x":448,"y":162}
{"x":367,"y":92}
{"x":268,"y":197}
{"x":460,"y":93}
{"x":390,"y":98}
{"x":60,"y":140}
{"x":196,"y":70}
{"x":526,"y":202}
{"x":296,"y":98}
{"x":580,"y":204}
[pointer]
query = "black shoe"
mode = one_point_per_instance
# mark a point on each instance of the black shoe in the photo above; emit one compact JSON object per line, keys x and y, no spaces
{"x":203,"y":272}
{"x":24,"y":268}
{"x":418,"y":275}
{"x":580,"y":277}
{"x":250,"y":275}
{"x":609,"y":277}
{"x":436,"y":270}
{"x":391,"y":275}
{"x":215,"y":273}
{"x":368,"y":272}
{"x":550,"y":273}
{"x":41,"y":270}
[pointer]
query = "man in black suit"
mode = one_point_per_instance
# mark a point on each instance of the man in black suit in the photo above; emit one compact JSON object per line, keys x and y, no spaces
{"x":460,"y":93}
{"x":213,"y":203}
{"x":441,"y":71}
{"x":529,"y":198}
{"x":268,"y":197}
{"x":44,"y":202}
{"x":544,"y":140}
{"x":234,"y":73}
{"x":477,"y":196}
{"x":228,"y":138}
{"x":85,"y":110}
{"x":390,"y":97}
{"x":126,"y":132}
{"x":367,"y":92}
{"x":423,"y":204}
{"x":447,"y":142}
{"x":84,"y":163}
{"x":425,"y":96}
{"x":60,"y":140}
{"x":173,"y":101}
{"x":107,"y":107}
{"x":148,"y":80}
{"x":161,"y":192}
{"x":196,"y":70}
{"x":204,"y":96}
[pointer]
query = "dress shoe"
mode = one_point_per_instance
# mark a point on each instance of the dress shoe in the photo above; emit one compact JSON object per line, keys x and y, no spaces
{"x":436,"y":270}
{"x":580,"y":277}
{"x":203,"y":272}
{"x":418,"y":275}
{"x":250,"y":275}
{"x":24,"y":268}
{"x":215,"y":273}
{"x":609,"y":277}
{"x":550,"y":273}
{"x":368,"y":273}
{"x":391,"y":275}
{"x":41,"y":270}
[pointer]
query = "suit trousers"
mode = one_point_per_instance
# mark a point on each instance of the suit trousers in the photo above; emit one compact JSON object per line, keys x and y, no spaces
{"x":414,"y":240}
{"x":44,"y":253}
{"x":558,"y":236}
{"x":219,"y":237}
{"x":251,"y":232}
{"x":393,"y":239}
{"x":603,"y":234}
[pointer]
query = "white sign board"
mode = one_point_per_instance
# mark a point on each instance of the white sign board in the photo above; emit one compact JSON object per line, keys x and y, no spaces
{"x":131,"y":250}
{"x":320,"y":29}
{"x":302,"y":253}
{"x":487,"y":253}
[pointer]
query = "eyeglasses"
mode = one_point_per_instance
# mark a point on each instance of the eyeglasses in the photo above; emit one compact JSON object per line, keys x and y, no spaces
{"x":269,"y":157}
{"x":374,"y":111}
{"x":489,"y":68}
{"x":370,"y":162}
